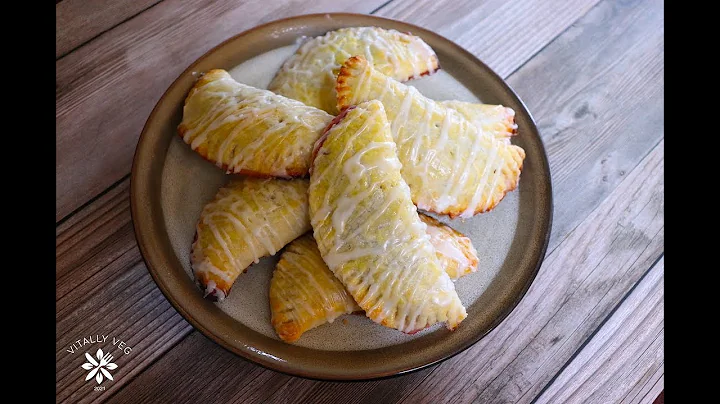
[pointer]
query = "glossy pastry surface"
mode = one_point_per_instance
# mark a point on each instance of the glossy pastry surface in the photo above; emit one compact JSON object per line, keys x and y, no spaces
{"x":309,"y":74}
{"x":497,"y":120}
{"x":246,"y":130}
{"x":451,"y":166}
{"x":248,"y":219}
{"x":369,"y":232}
{"x":304,"y":293}
{"x":454,"y":250}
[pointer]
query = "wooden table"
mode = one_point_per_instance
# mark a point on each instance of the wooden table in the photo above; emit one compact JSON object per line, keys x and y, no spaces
{"x":591,"y":327}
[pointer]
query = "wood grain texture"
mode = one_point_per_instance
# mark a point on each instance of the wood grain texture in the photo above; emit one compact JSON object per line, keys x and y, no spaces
{"x":591,"y":281}
{"x":503,"y":34}
{"x":102,"y":287}
{"x":78,"y":21}
{"x":229,"y":378}
{"x":594,"y":133}
{"x":593,"y":264}
{"x":106,"y":89}
{"x":597,"y":94}
{"x":85,"y":281}
{"x":592,"y":269}
{"x":656,"y":390}
{"x":482,"y":27}
{"x":624,"y":355}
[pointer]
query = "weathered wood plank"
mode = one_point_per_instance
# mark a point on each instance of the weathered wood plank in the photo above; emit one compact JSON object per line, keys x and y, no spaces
{"x":583,"y":131}
{"x":652,"y":393}
{"x":84,"y":281}
{"x":237,"y":380}
{"x":503,"y":45}
{"x":582,"y":178}
{"x":564,"y":114}
{"x":110,"y":213}
{"x":589,"y":154}
{"x":569,"y":129}
{"x":620,"y":238}
{"x":503,"y":34}
{"x":623,"y":355}
{"x":78,"y":21}
{"x":106,"y":89}
{"x":592,"y":269}
{"x":102,"y":287}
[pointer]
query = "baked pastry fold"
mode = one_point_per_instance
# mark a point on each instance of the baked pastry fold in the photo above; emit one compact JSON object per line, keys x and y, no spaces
{"x":309,"y":74}
{"x":454,"y":250}
{"x":247,"y":130}
{"x":304,"y":293}
{"x":451,"y":166}
{"x":369,"y":232}
{"x":496,"y":120}
{"x":248,"y":219}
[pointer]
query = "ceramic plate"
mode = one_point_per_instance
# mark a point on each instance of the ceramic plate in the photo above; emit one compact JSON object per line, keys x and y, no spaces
{"x":170,"y":184}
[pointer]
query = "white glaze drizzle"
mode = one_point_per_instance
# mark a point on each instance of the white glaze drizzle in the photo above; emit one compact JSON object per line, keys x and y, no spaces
{"x":450,"y":163}
{"x":247,"y":221}
{"x":307,"y":290}
{"x":309,"y":74}
{"x":447,"y":247}
{"x":349,"y":218}
{"x":260,"y":124}
{"x":497,"y":120}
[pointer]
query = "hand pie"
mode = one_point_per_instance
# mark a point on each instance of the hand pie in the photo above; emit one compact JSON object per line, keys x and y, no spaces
{"x":246,"y":130}
{"x":451,"y":166}
{"x":369,"y":232}
{"x":497,"y":120}
{"x":454,"y":250}
{"x":249,"y":218}
{"x":309,"y":74}
{"x":304,"y":293}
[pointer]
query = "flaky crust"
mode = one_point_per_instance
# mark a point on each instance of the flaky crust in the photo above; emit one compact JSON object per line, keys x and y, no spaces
{"x":248,"y":219}
{"x":497,"y":120}
{"x":304,"y":293}
{"x":454,"y":250}
{"x":451,"y":166}
{"x":309,"y":74}
{"x":368,"y":230}
{"x":245,"y":130}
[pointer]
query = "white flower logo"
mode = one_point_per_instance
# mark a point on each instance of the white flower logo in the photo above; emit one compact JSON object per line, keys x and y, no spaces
{"x":99,"y":366}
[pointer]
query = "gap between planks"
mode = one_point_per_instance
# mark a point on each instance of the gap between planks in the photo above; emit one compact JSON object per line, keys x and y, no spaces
{"x":115,"y":59}
{"x":228,"y":370}
{"x":77,"y":22}
{"x":647,"y":258}
{"x":73,"y":17}
{"x":650,"y":284}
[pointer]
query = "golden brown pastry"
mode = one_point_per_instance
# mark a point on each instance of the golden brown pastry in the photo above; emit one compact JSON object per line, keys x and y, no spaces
{"x":451,"y":166}
{"x":247,"y":130}
{"x":454,"y":250}
{"x":248,"y":219}
{"x":369,"y":232}
{"x":309,"y":74}
{"x":304,"y":293}
{"x":497,"y":120}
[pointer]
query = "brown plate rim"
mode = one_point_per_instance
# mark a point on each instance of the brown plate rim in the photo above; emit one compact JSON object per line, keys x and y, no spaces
{"x":143,"y":230}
